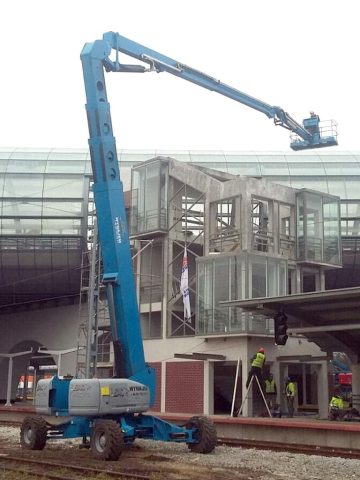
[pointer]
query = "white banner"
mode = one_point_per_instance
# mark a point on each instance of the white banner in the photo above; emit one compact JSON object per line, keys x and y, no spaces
{"x":184,"y":287}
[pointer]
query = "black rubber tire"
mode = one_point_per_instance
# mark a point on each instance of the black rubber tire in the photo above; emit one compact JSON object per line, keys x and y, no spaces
{"x":33,"y":433}
{"x":107,"y":440}
{"x":205,"y":435}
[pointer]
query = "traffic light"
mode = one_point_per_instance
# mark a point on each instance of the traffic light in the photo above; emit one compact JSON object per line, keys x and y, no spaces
{"x":280,"y":325}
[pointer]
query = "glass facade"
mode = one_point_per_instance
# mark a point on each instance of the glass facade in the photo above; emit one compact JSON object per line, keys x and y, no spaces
{"x":42,"y":192}
{"x":44,"y":198}
{"x":332,"y":172}
{"x":149,"y":198}
{"x":43,"y":223}
{"x":236,"y":277}
{"x":318,"y":228}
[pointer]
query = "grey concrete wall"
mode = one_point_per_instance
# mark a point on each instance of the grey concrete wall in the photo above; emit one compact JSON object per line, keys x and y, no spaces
{"x":52,"y":328}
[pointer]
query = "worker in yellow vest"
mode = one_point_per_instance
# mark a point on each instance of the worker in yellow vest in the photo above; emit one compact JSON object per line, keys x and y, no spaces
{"x":270,"y":390}
{"x":290,"y":392}
{"x":257,"y":364}
{"x":336,"y":406}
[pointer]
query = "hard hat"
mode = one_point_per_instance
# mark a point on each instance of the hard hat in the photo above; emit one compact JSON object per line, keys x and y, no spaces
{"x":261,"y":350}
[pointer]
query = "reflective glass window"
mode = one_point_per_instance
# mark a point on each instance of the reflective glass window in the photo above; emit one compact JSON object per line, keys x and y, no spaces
{"x":61,"y":226}
{"x":136,"y":156}
{"x":67,"y":154}
{"x":21,"y":226}
{"x":27,"y":153}
{"x":23,"y":185}
{"x":304,"y":157}
{"x":217,"y":158}
{"x":336,"y":186}
{"x":3,"y":165}
{"x":205,"y":296}
{"x":234,"y":157}
{"x":308,"y":169}
{"x":5,"y":154}
{"x":21,"y":208}
{"x":273,"y":158}
{"x":65,"y":166}
{"x":61,"y":209}
{"x":353,"y":209}
{"x":338,"y":158}
{"x":221,"y":292}
{"x":352,"y":188}
{"x":257,"y":271}
{"x":26,"y":166}
{"x":313,"y":183}
{"x":331,"y":213}
{"x":342,"y":168}
{"x":60,"y":186}
{"x":2,"y":180}
{"x":272,"y":168}
{"x":149,"y":210}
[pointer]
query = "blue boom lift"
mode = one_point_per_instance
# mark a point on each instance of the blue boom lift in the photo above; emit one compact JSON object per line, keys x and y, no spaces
{"x":111,"y":411}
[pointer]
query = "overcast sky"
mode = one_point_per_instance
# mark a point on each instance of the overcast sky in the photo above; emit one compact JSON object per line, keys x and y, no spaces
{"x":300,"y":55}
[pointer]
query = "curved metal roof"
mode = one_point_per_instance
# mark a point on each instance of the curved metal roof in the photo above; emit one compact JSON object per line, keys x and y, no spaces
{"x":330,"y":171}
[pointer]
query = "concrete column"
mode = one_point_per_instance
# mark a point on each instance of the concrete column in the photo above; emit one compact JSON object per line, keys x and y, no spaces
{"x":298,"y":280}
{"x":322,"y":279}
{"x":275,"y":370}
{"x":209,"y":226}
{"x":303,"y":379}
{"x":208,"y":388}
{"x":283,"y":374}
{"x":355,"y":370}
{"x":323,"y":390}
{"x":275,"y":225}
{"x":246,"y":220}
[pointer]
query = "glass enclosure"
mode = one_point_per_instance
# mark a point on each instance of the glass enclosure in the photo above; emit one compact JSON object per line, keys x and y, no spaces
{"x":318,"y":228}
{"x":149,"y":198}
{"x":236,"y":277}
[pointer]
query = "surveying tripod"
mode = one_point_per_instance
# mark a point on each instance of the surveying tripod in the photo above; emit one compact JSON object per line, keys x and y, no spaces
{"x":247,"y":393}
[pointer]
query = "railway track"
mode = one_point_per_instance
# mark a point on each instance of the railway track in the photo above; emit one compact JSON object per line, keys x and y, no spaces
{"x":293,"y":448}
{"x":59,"y":470}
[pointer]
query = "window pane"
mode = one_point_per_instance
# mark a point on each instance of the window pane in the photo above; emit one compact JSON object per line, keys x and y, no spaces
{"x":23,"y":186}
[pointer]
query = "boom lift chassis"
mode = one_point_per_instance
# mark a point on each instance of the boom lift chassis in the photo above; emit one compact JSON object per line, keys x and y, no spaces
{"x":111,"y":411}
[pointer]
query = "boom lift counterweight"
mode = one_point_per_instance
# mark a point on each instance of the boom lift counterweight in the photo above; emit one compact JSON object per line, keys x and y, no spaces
{"x":110,"y":411}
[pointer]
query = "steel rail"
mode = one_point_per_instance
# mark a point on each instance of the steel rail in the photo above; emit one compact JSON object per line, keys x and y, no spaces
{"x":72,"y":468}
{"x":294,"y":448}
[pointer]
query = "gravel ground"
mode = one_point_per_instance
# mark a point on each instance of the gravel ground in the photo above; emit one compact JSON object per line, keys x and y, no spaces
{"x":246,"y":463}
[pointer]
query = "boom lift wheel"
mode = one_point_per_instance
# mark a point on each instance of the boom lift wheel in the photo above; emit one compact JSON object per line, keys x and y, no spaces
{"x":107,"y":440}
{"x":205,"y":435}
{"x":33,"y":433}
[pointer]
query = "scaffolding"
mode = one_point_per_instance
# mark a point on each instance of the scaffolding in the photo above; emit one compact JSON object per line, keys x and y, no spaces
{"x":89,"y":301}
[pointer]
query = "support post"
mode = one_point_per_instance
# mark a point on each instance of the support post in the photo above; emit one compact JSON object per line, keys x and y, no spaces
{"x":11,"y":357}
{"x":235,"y":387}
{"x":323,"y":390}
{"x":58,"y":353}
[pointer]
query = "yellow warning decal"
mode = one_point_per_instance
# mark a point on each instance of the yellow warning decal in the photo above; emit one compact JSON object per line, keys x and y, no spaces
{"x":105,"y":390}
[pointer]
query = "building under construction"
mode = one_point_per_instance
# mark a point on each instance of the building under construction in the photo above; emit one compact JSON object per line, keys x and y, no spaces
{"x":246,"y":237}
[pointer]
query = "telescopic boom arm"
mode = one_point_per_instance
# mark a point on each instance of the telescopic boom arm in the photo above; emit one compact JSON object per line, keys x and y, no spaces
{"x":308,"y":135}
